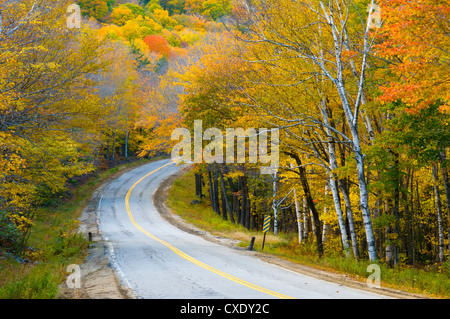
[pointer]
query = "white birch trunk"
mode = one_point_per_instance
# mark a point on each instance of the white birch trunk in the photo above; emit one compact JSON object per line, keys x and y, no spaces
{"x":332,"y":179}
{"x":352,"y":119}
{"x":126,"y":138}
{"x":326,"y":225}
{"x":274,"y":204}
{"x":305,"y":218}
{"x":349,"y":212}
{"x":299,"y":218}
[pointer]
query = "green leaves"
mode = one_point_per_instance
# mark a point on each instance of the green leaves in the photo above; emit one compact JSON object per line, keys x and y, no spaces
{"x":423,"y":135}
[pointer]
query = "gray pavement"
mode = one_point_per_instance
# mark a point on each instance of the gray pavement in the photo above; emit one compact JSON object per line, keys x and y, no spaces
{"x":158,"y":260}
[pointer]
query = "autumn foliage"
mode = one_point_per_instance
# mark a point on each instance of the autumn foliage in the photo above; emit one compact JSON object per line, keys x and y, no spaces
{"x":158,"y":45}
{"x":362,"y":110}
{"x":415,"y":38}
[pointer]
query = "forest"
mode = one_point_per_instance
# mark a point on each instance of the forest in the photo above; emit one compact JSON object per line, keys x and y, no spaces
{"x":358,"y":90}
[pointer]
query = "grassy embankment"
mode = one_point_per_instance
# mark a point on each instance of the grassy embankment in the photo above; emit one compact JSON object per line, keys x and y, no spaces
{"x":56,"y":241}
{"x":432,"y":281}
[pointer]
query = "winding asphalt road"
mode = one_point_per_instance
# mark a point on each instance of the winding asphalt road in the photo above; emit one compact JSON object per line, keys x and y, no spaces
{"x":158,"y":260}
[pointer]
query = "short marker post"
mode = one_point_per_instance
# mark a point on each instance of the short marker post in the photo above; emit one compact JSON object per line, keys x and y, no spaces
{"x":252,"y":242}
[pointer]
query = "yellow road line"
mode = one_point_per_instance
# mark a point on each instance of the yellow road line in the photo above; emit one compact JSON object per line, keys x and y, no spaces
{"x":187,"y":257}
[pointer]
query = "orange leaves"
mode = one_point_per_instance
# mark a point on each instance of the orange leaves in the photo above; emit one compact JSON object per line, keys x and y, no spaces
{"x":410,"y":94}
{"x":158,"y":45}
{"x":348,"y":54}
{"x":415,"y":38}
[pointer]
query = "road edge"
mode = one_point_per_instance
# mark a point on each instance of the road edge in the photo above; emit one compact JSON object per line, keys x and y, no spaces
{"x":160,"y":197}
{"x":99,"y":276}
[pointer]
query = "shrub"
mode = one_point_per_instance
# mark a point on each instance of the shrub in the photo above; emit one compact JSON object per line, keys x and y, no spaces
{"x":10,"y":235}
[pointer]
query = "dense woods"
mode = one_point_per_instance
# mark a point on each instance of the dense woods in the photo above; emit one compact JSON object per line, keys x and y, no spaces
{"x":77,"y":100}
{"x":361,"y":105}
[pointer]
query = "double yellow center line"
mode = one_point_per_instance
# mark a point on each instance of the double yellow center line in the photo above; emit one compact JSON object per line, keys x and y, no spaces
{"x":187,"y":257}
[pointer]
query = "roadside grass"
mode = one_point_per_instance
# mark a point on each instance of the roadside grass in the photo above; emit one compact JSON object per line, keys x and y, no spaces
{"x":432,"y":281}
{"x":55,"y":241}
{"x":202,"y":216}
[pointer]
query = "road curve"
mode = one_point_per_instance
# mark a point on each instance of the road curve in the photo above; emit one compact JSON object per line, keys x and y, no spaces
{"x":159,"y":261}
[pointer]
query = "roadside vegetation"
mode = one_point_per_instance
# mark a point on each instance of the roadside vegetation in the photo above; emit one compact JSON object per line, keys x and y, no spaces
{"x":432,"y":281}
{"x":37,"y":271}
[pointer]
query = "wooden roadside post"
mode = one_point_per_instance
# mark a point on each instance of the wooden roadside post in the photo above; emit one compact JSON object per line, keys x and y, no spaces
{"x":252,"y":242}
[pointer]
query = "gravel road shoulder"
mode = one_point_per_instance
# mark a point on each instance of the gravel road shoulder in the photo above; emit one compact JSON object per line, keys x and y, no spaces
{"x":98,"y":278}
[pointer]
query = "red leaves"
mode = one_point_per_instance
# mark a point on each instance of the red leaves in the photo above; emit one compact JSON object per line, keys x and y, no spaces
{"x":158,"y":45}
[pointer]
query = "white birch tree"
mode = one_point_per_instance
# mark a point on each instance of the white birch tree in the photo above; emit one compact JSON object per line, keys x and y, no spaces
{"x":293,"y":27}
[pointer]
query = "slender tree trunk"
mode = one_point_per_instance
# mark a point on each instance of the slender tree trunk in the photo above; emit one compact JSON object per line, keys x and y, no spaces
{"x":245,"y":207}
{"x":397,"y":211}
{"x":445,"y":177}
{"x":224,"y":206}
{"x":126,"y":142}
{"x":333,"y":184}
{"x":349,"y":213}
{"x":305,"y":219}
{"x":413,"y":242}
{"x":252,"y":216}
{"x":216,"y":192}
{"x":114,"y":145}
{"x":107,"y":151}
{"x":244,"y":197}
{"x":418,"y":210}
{"x":274,"y":205}
{"x":344,"y":187}
{"x":408,"y":216}
{"x":393,"y":232}
{"x":211,"y":188}
{"x":198,"y":185}
{"x":376,"y":214}
{"x":225,"y":199}
{"x":299,"y":218}
{"x":440,"y":222}
{"x":248,"y":213}
{"x":233,"y":192}
{"x":236,"y":208}
{"x":364,"y":204}
{"x":240,"y":207}
{"x":337,"y":205}
{"x":312,"y":207}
